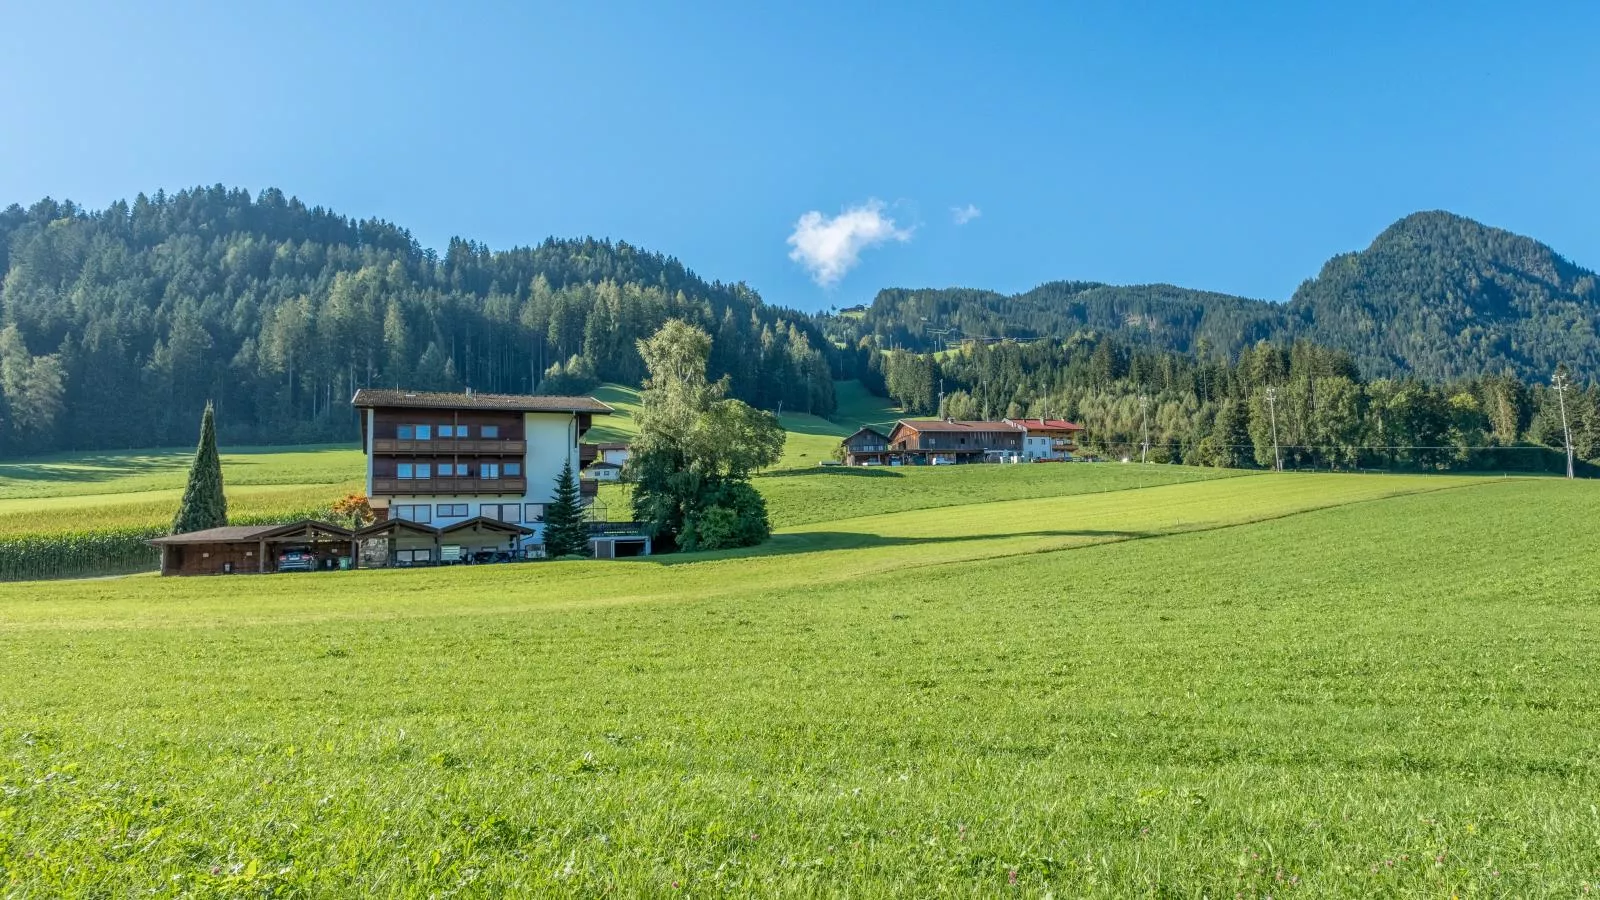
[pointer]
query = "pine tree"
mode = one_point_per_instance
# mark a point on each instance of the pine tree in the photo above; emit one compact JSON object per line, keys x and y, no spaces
{"x":565,"y":532}
{"x":204,"y":504}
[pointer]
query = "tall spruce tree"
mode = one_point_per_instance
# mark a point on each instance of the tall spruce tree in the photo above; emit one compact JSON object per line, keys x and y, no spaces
{"x":565,"y":532}
{"x":204,"y":504}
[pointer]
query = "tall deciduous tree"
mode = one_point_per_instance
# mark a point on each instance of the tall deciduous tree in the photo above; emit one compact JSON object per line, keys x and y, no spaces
{"x":696,"y":450}
{"x":204,"y":505}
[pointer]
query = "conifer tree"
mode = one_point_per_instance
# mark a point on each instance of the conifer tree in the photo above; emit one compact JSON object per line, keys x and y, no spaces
{"x":565,"y":532}
{"x":204,"y":504}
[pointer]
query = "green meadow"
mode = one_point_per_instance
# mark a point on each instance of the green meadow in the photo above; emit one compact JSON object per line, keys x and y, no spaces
{"x":1260,"y":685}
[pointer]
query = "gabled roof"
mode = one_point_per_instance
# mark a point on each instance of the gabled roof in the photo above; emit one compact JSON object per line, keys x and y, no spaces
{"x":866,"y":429}
{"x":601,"y":465}
{"x":368,"y":398}
{"x":1046,"y":424}
{"x":612,"y":445}
{"x":959,"y":425}
{"x":388,"y":525}
{"x":487,"y":523}
{"x":228,"y":534}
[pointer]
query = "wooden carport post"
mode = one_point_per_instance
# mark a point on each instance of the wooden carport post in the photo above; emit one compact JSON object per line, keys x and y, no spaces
{"x":261,"y":564}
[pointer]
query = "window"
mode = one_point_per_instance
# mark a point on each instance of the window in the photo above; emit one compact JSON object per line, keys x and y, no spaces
{"x":424,"y":470}
{"x":412,"y":557}
{"x":452,"y":431}
{"x":405,"y":470}
{"x":535,"y":513}
{"x":489,"y":431}
{"x":452,"y":510}
{"x":505,"y":512}
{"x":513,"y":470}
{"x":405,"y":432}
{"x":418,"y":512}
{"x":424,"y":432}
{"x":488,"y":470}
{"x":448,"y":469}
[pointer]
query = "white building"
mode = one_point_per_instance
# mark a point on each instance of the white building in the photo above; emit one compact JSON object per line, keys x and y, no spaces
{"x":603,"y":471}
{"x":440,"y":459}
{"x":1047,"y":439}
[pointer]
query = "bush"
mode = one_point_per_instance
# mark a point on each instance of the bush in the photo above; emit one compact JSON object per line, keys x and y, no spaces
{"x":735,"y":515}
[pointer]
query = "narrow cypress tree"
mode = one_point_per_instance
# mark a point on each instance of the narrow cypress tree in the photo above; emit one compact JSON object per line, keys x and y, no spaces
{"x":565,"y":532}
{"x":204,"y":504}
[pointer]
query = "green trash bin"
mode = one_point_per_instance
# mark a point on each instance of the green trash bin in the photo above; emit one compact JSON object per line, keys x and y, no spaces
{"x":344,"y":563}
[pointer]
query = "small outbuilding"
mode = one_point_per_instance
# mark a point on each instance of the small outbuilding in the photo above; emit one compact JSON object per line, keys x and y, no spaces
{"x":603,"y":471}
{"x":308,"y":545}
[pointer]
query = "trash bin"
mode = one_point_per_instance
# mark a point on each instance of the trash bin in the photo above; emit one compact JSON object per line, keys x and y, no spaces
{"x":344,"y":563}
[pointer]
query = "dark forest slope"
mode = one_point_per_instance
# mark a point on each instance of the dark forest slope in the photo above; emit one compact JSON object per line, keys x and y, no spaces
{"x":117,"y":325}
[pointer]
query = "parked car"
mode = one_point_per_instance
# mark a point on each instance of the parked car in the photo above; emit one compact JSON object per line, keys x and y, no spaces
{"x":296,"y":559}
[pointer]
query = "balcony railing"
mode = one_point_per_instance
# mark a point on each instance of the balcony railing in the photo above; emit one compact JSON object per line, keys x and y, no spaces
{"x":450,"y":446}
{"x":384,"y":486}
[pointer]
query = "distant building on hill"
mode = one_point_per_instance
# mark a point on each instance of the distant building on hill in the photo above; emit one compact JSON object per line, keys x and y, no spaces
{"x":867,"y":447}
{"x":1047,"y":438}
{"x":602,"y":471}
{"x":946,"y":441}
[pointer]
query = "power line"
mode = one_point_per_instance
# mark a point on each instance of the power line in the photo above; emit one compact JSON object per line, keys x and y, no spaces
{"x":1560,"y":383}
{"x":1272,"y":408}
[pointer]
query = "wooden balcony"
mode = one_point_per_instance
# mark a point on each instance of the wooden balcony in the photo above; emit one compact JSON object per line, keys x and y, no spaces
{"x":389,"y":487}
{"x":450,"y":447}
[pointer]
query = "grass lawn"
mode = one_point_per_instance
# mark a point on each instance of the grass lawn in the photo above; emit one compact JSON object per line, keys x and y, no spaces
{"x":1291,"y":685}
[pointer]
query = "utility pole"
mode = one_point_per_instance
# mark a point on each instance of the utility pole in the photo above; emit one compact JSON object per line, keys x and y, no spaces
{"x":1144,"y":409}
{"x":1560,"y":382}
{"x":1272,"y":409}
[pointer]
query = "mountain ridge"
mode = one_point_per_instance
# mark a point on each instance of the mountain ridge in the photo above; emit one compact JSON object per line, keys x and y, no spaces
{"x":1435,"y":294}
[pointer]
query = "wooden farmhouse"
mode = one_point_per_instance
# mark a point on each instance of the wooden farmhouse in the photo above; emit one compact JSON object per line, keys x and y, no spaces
{"x":947,"y":441}
{"x":867,"y":447}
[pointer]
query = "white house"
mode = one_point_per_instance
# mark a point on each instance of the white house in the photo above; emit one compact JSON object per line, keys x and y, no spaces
{"x":1047,"y":439}
{"x":603,"y":471}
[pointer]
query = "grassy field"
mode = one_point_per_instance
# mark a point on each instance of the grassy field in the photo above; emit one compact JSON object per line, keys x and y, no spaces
{"x":1295,"y":685}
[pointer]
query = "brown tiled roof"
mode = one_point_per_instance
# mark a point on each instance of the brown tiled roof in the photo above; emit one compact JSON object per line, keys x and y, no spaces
{"x":959,"y":425}
{"x":231,"y":533}
{"x":1046,"y":424}
{"x":491,"y":524}
{"x":370,"y":397}
{"x":223,"y":535}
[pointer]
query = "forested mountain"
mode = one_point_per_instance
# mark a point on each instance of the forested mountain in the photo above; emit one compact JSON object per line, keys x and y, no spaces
{"x":1435,"y":295}
{"x":116,"y":326}
{"x":1446,"y":297}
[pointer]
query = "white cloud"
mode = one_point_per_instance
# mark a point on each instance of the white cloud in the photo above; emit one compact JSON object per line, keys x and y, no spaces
{"x":830,"y":247}
{"x":965,"y":214}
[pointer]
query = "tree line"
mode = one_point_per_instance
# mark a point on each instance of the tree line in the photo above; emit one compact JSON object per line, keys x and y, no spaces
{"x":117,"y":325}
{"x":1217,"y":409}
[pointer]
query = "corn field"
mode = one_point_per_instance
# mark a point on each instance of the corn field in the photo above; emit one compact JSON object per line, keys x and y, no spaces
{"x":90,"y":553}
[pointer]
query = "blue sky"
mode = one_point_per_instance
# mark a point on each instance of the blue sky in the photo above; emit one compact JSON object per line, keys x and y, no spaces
{"x":1226,"y":146}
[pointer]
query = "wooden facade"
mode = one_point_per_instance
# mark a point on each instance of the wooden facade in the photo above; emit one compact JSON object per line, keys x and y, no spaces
{"x":455,"y":438}
{"x":916,"y":440}
{"x":252,"y":549}
{"x":867,"y":447}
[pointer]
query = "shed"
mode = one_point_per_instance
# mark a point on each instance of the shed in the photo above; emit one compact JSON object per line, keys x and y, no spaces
{"x":252,"y":548}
